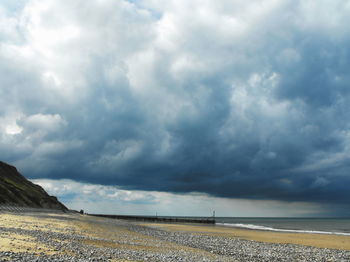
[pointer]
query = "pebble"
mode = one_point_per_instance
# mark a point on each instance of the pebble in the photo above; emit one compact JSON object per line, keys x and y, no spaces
{"x":207,"y":247}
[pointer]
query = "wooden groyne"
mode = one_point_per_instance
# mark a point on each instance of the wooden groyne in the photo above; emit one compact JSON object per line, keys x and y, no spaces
{"x":209,"y":220}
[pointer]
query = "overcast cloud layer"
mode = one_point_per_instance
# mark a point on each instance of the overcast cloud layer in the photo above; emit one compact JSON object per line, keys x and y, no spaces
{"x":99,"y":199}
{"x":243,"y":99}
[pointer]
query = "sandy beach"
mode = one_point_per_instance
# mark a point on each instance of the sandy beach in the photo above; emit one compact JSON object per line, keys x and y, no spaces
{"x":74,"y":237}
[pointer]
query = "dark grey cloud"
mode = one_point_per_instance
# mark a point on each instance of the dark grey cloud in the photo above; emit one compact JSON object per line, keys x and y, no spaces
{"x":231,"y":99}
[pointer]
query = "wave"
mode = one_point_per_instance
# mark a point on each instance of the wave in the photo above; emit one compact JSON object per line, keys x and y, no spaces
{"x":264,"y":228}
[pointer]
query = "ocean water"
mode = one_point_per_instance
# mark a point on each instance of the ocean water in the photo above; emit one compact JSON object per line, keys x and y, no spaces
{"x":337,"y":226}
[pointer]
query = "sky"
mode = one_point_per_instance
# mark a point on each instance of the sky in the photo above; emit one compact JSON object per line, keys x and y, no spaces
{"x":180,"y":107}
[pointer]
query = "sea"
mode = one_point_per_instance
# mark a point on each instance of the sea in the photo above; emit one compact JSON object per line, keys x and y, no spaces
{"x":335,"y":226}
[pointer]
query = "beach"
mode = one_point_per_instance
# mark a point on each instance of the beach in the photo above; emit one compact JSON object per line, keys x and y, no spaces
{"x":75,"y":237}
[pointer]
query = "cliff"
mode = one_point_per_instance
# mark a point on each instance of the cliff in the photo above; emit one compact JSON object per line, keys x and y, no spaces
{"x":15,"y":189}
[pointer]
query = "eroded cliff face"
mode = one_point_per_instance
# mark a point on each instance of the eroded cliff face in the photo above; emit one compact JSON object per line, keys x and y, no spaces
{"x":17,"y":190}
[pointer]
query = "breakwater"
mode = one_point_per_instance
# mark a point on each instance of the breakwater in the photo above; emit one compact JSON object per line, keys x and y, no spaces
{"x":209,"y":220}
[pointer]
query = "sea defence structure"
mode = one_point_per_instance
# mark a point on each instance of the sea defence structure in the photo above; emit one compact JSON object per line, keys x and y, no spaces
{"x":209,"y":220}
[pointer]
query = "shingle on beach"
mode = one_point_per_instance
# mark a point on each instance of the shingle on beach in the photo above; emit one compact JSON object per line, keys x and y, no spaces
{"x":74,"y":237}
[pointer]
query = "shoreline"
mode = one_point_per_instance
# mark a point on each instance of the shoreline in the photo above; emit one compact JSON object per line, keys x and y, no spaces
{"x":280,"y":230}
{"x":63,"y":237}
{"x":332,"y":241}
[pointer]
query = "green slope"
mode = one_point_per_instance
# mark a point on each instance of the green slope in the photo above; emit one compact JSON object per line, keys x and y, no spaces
{"x":16,"y":189}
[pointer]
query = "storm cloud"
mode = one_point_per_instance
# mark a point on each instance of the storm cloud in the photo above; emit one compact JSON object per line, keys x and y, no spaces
{"x":238,"y":99}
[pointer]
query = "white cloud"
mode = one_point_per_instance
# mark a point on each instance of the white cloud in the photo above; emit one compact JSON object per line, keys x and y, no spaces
{"x":44,"y":122}
{"x":9,"y":125}
{"x":13,"y":129}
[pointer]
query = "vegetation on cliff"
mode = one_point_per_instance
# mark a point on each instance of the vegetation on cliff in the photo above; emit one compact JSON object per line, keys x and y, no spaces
{"x":15,"y":189}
